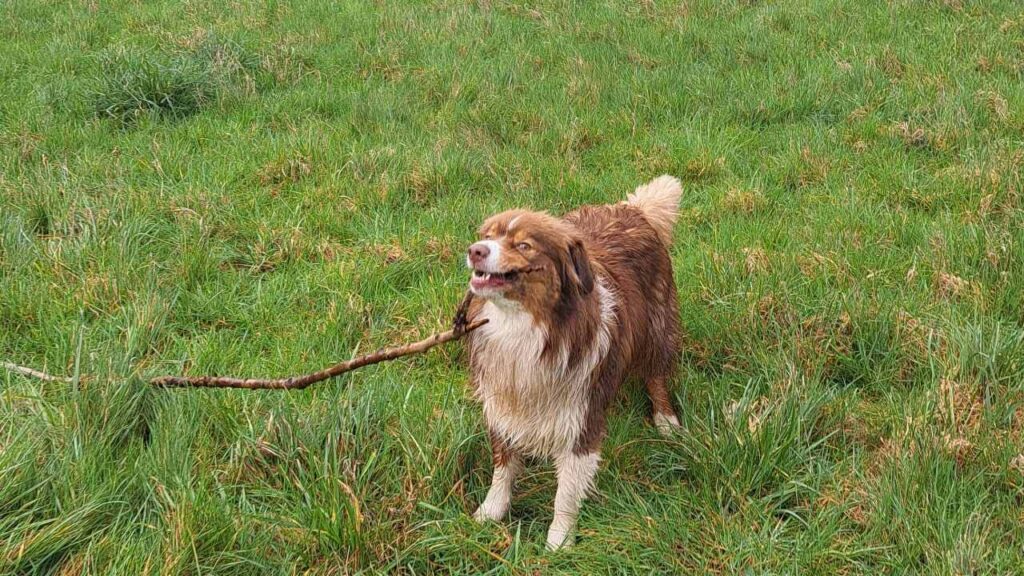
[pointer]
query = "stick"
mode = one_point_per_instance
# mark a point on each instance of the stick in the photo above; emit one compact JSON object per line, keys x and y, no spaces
{"x":300,"y":382}
{"x":462,"y":314}
{"x":33,"y":373}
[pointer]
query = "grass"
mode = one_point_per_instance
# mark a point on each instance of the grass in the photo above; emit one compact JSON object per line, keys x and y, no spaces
{"x":263,"y":187}
{"x":136,"y":83}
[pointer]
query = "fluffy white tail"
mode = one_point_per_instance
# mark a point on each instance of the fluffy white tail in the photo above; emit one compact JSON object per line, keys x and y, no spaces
{"x":659,"y":201}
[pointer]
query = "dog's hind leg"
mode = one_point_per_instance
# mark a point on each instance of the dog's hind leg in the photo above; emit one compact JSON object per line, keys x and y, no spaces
{"x":664,"y":415}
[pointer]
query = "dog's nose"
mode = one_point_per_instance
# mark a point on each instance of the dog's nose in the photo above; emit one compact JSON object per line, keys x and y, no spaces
{"x":478,"y":252}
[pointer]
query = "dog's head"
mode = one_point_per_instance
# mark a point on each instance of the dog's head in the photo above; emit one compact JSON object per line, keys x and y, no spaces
{"x":530,"y":258}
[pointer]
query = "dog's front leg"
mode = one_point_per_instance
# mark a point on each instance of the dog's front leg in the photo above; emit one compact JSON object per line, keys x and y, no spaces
{"x":575,"y":479}
{"x":507,"y":465}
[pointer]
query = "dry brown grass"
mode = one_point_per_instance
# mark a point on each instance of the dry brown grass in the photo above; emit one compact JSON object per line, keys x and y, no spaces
{"x":755,"y":260}
{"x":290,"y":169}
{"x":949,"y":286}
{"x":739,"y":201}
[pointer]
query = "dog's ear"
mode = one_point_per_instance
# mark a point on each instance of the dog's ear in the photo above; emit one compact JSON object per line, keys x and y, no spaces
{"x":584,"y":276}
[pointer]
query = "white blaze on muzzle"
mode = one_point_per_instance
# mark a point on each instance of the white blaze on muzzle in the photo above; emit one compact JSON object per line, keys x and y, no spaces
{"x":490,"y":264}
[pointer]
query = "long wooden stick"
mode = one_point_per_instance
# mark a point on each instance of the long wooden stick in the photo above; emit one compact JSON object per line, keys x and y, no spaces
{"x":11,"y":366}
{"x":300,"y":382}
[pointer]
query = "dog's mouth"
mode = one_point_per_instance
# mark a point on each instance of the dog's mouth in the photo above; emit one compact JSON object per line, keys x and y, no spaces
{"x":493,"y":280}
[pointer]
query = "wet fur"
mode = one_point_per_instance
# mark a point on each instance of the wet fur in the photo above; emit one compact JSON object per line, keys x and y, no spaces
{"x":594,"y":304}
{"x":551,"y":350}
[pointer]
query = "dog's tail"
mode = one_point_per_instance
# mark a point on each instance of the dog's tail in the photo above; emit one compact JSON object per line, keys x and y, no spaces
{"x":659,"y":202}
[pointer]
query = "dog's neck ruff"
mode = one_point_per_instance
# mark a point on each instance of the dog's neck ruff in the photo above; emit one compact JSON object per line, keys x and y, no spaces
{"x":537,"y":402}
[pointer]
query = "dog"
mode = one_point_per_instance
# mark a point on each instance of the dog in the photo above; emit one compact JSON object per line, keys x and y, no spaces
{"x":575,"y":306}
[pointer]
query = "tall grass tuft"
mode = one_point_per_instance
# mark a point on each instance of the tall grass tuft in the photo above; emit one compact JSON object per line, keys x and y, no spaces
{"x":135,"y":83}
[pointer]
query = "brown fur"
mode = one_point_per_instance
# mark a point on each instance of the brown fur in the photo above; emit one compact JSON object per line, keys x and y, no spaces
{"x":575,"y":306}
{"x":617,"y":245}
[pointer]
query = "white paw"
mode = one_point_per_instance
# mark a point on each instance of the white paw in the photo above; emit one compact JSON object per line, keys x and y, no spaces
{"x":488,"y":512}
{"x":558,"y":538}
{"x":666,"y":423}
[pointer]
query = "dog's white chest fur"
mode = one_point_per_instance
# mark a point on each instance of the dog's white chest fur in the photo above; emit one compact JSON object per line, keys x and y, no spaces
{"x":537,"y":404}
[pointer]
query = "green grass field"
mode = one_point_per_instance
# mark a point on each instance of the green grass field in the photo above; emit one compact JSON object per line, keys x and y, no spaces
{"x":262,"y":188}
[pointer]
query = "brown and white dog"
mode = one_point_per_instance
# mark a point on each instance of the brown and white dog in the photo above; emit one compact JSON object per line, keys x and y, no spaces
{"x":576,"y":305}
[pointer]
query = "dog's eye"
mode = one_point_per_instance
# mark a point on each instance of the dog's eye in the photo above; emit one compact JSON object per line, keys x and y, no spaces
{"x":523,"y":246}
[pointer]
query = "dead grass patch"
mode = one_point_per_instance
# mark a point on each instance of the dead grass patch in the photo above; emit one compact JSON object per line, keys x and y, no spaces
{"x":755,"y":260}
{"x":813,"y":169}
{"x":441,"y":248}
{"x":285,"y":170}
{"x":739,"y":201}
{"x":1017,"y":463}
{"x":917,"y":137}
{"x":960,"y":449}
{"x":424,"y":183}
{"x":822,"y":341}
{"x":702,"y":168}
{"x":993,"y":102}
{"x":770,"y":309}
{"x":390,"y":253}
{"x":959,"y":407}
{"x":948,"y":286}
{"x":891,"y":64}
